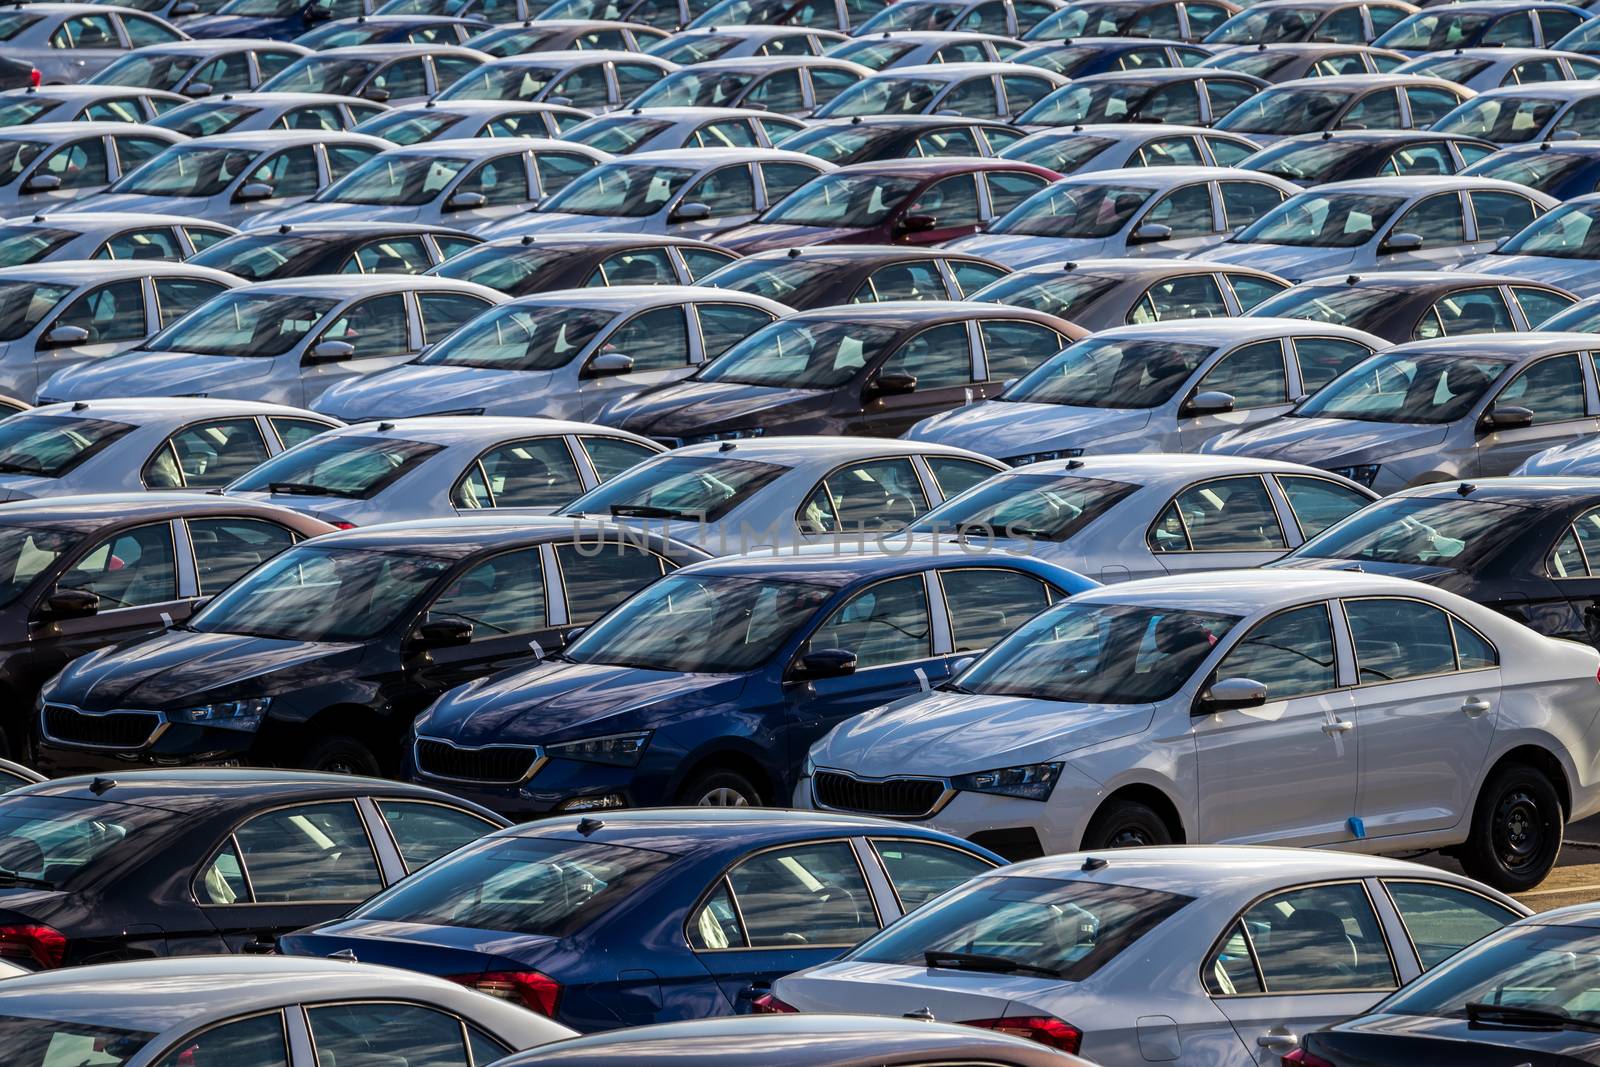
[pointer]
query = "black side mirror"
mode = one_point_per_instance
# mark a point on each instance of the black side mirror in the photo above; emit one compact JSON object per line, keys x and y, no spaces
{"x":376,"y":93}
{"x":1401,"y":242}
{"x":443,"y":633}
{"x":573,"y":634}
{"x":69,"y":604}
{"x":1231,"y":693}
{"x":824,"y":663}
{"x":892,"y":385}
{"x":1505,"y":417}
{"x":916,"y":223}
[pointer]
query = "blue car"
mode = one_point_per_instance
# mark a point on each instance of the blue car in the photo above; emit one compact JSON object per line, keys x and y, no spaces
{"x":1562,"y":169}
{"x":273,"y":20}
{"x":709,"y":687}
{"x":628,"y":918}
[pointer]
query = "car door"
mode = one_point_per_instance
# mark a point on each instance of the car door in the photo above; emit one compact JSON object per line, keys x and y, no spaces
{"x":1441,"y":920}
{"x":1187,"y":296}
{"x":729,"y":195}
{"x":388,"y":1032}
{"x":426,"y":830}
{"x":595,"y":579}
{"x":658,"y":343}
{"x":1255,"y":381}
{"x":918,"y":871}
{"x":1498,"y":215}
{"x":535,"y":475}
{"x":862,"y":499}
{"x":494,"y":189}
{"x":1480,"y":310}
{"x":206,"y":455}
{"x":930,"y":372}
{"x":102,"y":322}
{"x":227,"y":547}
{"x":1427,"y":699}
{"x":65,"y":174}
{"x":984,"y":604}
{"x":945,"y":210}
{"x":1438,"y":221}
{"x":1182,"y":221}
{"x":1553,"y":389}
{"x":1573,"y":611}
{"x":254,"y":1041}
{"x":378,"y":334}
{"x":1217,"y":524}
{"x":282,"y":180}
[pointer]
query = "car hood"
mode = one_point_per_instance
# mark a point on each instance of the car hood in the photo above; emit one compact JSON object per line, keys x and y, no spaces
{"x":235,"y":26}
{"x":1007,"y":428}
{"x":1325,"y":442}
{"x":557,"y":697}
{"x":688,"y":408}
{"x":1416,"y":572}
{"x":559,"y":221}
{"x":945,"y":733}
{"x":1287,"y":261}
{"x":182,"y":667}
{"x":898,"y":989}
{"x":1432,"y":1039}
{"x":1581,"y":457}
{"x":334,"y":212}
{"x":415,"y":389}
{"x":1573,"y":275}
{"x":140,"y":373}
{"x":1021,"y":250}
{"x":136,"y":202}
{"x":760,"y":237}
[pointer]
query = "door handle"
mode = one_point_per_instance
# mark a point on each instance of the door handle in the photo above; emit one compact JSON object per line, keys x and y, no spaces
{"x":1339,"y":726}
{"x":1281,"y":1040}
{"x":1475,"y":706}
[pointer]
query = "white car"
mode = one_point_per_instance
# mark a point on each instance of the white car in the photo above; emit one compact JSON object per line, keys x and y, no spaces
{"x":1330,"y":709}
{"x":1193,"y":957}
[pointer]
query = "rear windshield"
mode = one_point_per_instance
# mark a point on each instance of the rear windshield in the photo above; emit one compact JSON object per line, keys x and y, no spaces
{"x":518,"y":885}
{"x":52,"y":1043}
{"x":693,"y":488}
{"x":1423,"y":532}
{"x":51,"y":445}
{"x":48,"y":841}
{"x":354,"y":467}
{"x":1045,"y":507}
{"x":27,"y":242}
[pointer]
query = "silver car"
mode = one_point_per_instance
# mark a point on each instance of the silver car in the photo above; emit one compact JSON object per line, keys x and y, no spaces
{"x":562,"y":354}
{"x":1285,"y":61}
{"x":1163,"y":387}
{"x":1100,"y":293}
{"x":1481,"y":69}
{"x":1345,"y":102}
{"x":591,"y":79}
{"x":785,"y":85}
{"x":233,"y":177}
{"x":1155,"y":211}
{"x":70,"y":312}
{"x":200,"y":68}
{"x":463,"y":184}
{"x":53,"y":165}
{"x":283,"y":342}
{"x":428,"y":468}
{"x":385,"y":73}
{"x":652,"y":129}
{"x":114,"y":235}
{"x":1116,"y":517}
{"x":84,"y":103}
{"x":1117,"y":145}
{"x":512,"y":38}
{"x":68,"y":42}
{"x":1518,"y":114}
{"x":889,"y":49}
{"x":970,"y":90}
{"x":433,"y":121}
{"x":1374,"y":224}
{"x":246,"y":112}
{"x":1433,"y":411}
{"x":735,"y":42}
{"x":1561,"y":248}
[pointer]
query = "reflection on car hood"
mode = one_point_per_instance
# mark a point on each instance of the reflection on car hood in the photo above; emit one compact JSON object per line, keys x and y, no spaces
{"x":559,"y":221}
{"x":1574,"y":275}
{"x":236,"y":26}
{"x":760,"y":237}
{"x":414,"y":389}
{"x":140,"y":373}
{"x":1002,"y":428}
{"x":132,"y":202}
{"x":1018,"y":250}
{"x":1286,"y":261}
{"x":334,"y":212}
{"x":1417,"y":572}
{"x":689,"y":408}
{"x":1581,"y":457}
{"x":1327,"y":442}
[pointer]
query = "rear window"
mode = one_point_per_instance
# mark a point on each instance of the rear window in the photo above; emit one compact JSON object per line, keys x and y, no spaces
{"x":52,"y":1043}
{"x":49,"y":446}
{"x":695,"y":488}
{"x":518,"y":885}
{"x":1041,"y":507}
{"x":354,"y":467}
{"x":1421,"y":531}
{"x":14,"y":23}
{"x":48,"y":840}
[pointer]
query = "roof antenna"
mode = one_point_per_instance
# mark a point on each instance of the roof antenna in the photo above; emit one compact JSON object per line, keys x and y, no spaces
{"x":587,"y":826}
{"x":1094,"y":863}
{"x":102,"y":786}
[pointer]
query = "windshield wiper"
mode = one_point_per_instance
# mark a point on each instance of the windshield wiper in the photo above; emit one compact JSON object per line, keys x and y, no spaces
{"x":648,"y":511}
{"x":13,"y":878}
{"x":977,"y":961}
{"x":1518,"y":1016}
{"x":307,"y":489}
{"x":22,"y":468}
{"x":952,"y":687}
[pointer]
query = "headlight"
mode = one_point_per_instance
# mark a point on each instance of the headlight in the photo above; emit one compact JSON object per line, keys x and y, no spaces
{"x":810,"y":769}
{"x":1365,"y":473}
{"x":226,"y":714}
{"x":725,"y":435}
{"x":619,"y":750}
{"x":1043,"y":457}
{"x":1033,"y":781}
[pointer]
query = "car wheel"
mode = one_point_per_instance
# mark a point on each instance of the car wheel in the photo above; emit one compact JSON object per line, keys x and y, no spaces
{"x":721,"y":789}
{"x":1126,"y":824}
{"x":1516,"y":830}
{"x":341,"y":755}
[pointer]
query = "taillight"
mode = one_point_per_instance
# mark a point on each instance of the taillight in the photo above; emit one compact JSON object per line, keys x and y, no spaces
{"x":33,"y":945}
{"x":1301,"y":1058}
{"x":768,"y":1004}
{"x":34,"y":77}
{"x":534,"y":991}
{"x":1045,"y":1029}
{"x":341,"y":524}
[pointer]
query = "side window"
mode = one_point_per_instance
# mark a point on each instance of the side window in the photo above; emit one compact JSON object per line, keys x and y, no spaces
{"x":228,"y":547}
{"x":79,"y":165}
{"x":557,"y":169}
{"x":955,"y":141}
{"x":1250,"y":291}
{"x":226,"y":74}
{"x":597,"y":580}
{"x":951,"y":202}
{"x":86,"y":31}
{"x":732,"y":133}
{"x":447,"y":70}
{"x":1023,"y":92}
{"x":1397,"y":639}
{"x":310,"y":118}
{"x":1318,"y":503}
{"x":703,"y":261}
{"x":1437,"y":220}
{"x":812,"y":894}
{"x":425,"y":832}
{"x":1510,"y":31}
{"x":1291,"y":653}
{"x":113,"y":111}
{"x":1552,"y":389}
{"x":292,"y":431}
{"x":655,"y":340}
{"x":500,"y":597}
{"x":989,"y":602}
{"x":1320,"y":938}
{"x":610,"y":456}
{"x":1501,"y":214}
{"x":957,"y":475}
{"x":176,"y":297}
{"x":127,"y":569}
{"x":1556,"y":24}
{"x":884,"y":623}
{"x":1161,"y":22}
{"x":1203,"y":18}
{"x":784,"y":178}
{"x":1252,"y":375}
{"x":1176,"y":105}
{"x":724,"y":325}
{"x":1378,"y":110}
{"x":500,"y":181}
{"x":1245,"y":202}
{"x":443,"y":313}
{"x":1419,"y":160}
{"x":780,"y":92}
{"x":921,"y":870}
{"x":913,"y":279}
{"x":203,"y":237}
{"x":485,"y":1049}
{"x":206,"y":456}
{"x":403,"y":78}
{"x":1384,"y":18}
{"x":1222,"y":515}
{"x":1533,"y":71}
{"x":272,"y":62}
{"x":1566,"y":559}
{"x":635,"y":78}
{"x":1322,"y":359}
{"x":636,"y":266}
{"x":827,"y":82}
{"x":1442,"y":920}
{"x":311,"y":852}
{"x":1227,"y":153}
{"x":391,"y":255}
{"x":726,"y":191}
{"x":1014,"y":347}
{"x":142,"y":244}
{"x":876,"y":495}
{"x":134,"y":152}
{"x":1192,"y":296}
{"x":143,"y":31}
{"x":1539,"y":304}
{"x":1469,"y":311}
{"x":970,"y":276}
{"x":387,"y":1033}
{"x":1226,"y":95}
{"x":1171,"y":152}
{"x":375,"y":327}
{"x":1187,"y":210}
{"x":973,"y":98}
{"x":113,"y":312}
{"x":258,"y":1041}
{"x":938,"y":358}
{"x":535,"y":473}
{"x":1008,"y":189}
{"x":1343,"y":27}
{"x":292,"y":172}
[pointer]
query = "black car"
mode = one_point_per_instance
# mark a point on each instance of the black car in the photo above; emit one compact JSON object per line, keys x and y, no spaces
{"x":1521,"y":997}
{"x":823,"y":275}
{"x":1345,"y":155}
{"x":301,"y":249}
{"x":1562,"y":169}
{"x":322,"y":658}
{"x":1403,"y":306}
{"x":139,"y":864}
{"x":1515,"y":544}
{"x":878,"y":137}
{"x":84,"y":572}
{"x":15,"y":776}
{"x":538,"y":263}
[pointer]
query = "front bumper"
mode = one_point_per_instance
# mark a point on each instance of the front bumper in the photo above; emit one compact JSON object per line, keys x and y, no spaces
{"x":168,"y":744}
{"x":552,"y":786}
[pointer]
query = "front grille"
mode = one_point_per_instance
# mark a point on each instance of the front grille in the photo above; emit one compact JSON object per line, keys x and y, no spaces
{"x":119,"y":729}
{"x":906,"y":798}
{"x":505,"y":764}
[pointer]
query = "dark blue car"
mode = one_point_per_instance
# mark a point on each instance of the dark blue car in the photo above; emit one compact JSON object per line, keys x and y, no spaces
{"x":273,"y":20}
{"x":710,"y":686}
{"x":1563,"y":169}
{"x":626,"y":918}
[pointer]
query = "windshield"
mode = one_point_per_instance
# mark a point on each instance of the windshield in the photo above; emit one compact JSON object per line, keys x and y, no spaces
{"x":617,"y":134}
{"x":335,"y":75}
{"x":340,"y":35}
{"x":321,"y":593}
{"x":884,"y":94}
{"x":14,"y":22}
{"x":1099,"y":654}
{"x":1582,"y":317}
{"x":28,"y":551}
{"x":838,"y":143}
{"x":394,"y":179}
{"x":257,"y":257}
{"x":627,"y":190}
{"x":788,"y":281}
{"x":1261,"y":64}
{"x":23,"y":305}
{"x":22,"y":112}
{"x":1074,"y":105}
{"x":1571,"y":231}
{"x":403,"y":126}
{"x":1268,"y":26}
{"x":912,"y":15}
{"x":1404,"y":388}
{"x":1436,"y":30}
{"x":1457,"y":69}
{"x":517,"y":269}
{"x":244,"y":324}
{"x":337,"y":465}
{"x":270,"y":8}
{"x":1542,"y":170}
{"x":520,"y":338}
{"x":204,"y":118}
{"x":1111,"y":373}
{"x":52,"y":840}
{"x":1078,"y":209}
{"x":1421,"y":531}
{"x":874,"y":55}
{"x":508,"y":41}
{"x":843,"y":200}
{"x":1323,"y":220}
{"x":1314,"y":162}
{"x":1065,"y":296}
{"x":811,"y":354}
{"x":696,"y":488}
{"x":35,"y":1042}
{"x":1285,"y":111}
{"x":686,"y":48}
{"x":1502,"y":119}
{"x":51,"y":445}
{"x":1034,"y":507}
{"x":26,"y":242}
{"x":702,"y":624}
{"x":188,"y":170}
{"x":1062,"y":153}
{"x":15,"y":156}
{"x":508,"y":82}
{"x":1541,"y":977}
{"x":1348,"y":305}
{"x":1087,"y":20}
{"x":149,"y":71}
{"x":694,"y":88}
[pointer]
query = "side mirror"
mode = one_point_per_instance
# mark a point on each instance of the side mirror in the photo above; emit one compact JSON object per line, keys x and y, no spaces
{"x":1565,"y":135}
{"x":198,"y":89}
{"x":42,"y":183}
{"x":1505,"y":417}
{"x":465,"y":202}
{"x":251,"y":191}
{"x":330,"y":352}
{"x":1402,"y":242}
{"x":824,"y":663}
{"x":962,"y":664}
{"x":573,"y":634}
{"x":1150,"y":231}
{"x":69,"y":604}
{"x":693,"y":211}
{"x":376,"y":93}
{"x":185,"y":8}
{"x":1231,"y":693}
{"x":915,"y":223}
{"x":564,"y":101}
{"x":443,"y":633}
{"x":1210,"y":402}
{"x":607,"y":365}
{"x":892,"y":385}
{"x":63,"y":336}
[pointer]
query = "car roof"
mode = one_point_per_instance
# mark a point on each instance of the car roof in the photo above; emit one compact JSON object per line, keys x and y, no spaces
{"x":1498,"y":53}
{"x":177,"y":788}
{"x":207,"y":45}
{"x":1423,"y":184}
{"x":347,"y":228}
{"x":396,"y":49}
{"x":494,"y":146}
{"x":95,"y":510}
{"x":112,"y":220}
{"x":1246,"y":592}
{"x":683,"y":831}
{"x":934,"y":36}
{"x":621,"y":298}
{"x":771,"y":62}
{"x":1370,"y":81}
{"x":706,"y":158}
{"x":45,"y":131}
{"x":937,"y":166}
{"x":1167,"y":74}
{"x":1419,"y":281}
{"x":1223,"y":332}
{"x":904,"y":313}
{"x":285,"y":97}
{"x":1130,"y":130}
{"x":952,"y":71}
{"x":836,"y":565}
{"x":693,"y":114}
{"x":159,"y":408}
{"x":344,"y":285}
{"x":910,"y":121}
{"x":88,"y":91}
{"x":1142,"y":268}
{"x":262,"y":140}
{"x":1524,"y":491}
{"x":461,"y":536}
{"x":821,"y":448}
{"x":1383,"y":137}
{"x":454,"y":430}
{"x":605,"y":239}
{"x":1564,"y":90}
{"x":1583,"y":147}
{"x":90,"y":271}
{"x":1162,"y":177}
{"x":573,"y":58}
{"x":866,"y":253}
{"x":1161,"y":467}
{"x":1517,"y":346}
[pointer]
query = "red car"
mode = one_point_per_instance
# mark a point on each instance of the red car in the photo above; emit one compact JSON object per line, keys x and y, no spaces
{"x":902,"y":201}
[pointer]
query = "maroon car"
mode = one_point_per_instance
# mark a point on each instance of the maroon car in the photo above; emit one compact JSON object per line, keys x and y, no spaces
{"x":902,"y":201}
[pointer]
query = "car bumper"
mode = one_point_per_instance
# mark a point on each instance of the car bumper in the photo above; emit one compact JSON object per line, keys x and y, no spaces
{"x":555,"y":785}
{"x":172,"y":745}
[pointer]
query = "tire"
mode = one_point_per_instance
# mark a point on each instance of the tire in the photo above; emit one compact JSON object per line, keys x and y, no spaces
{"x":720,"y":789}
{"x":1125,"y":824}
{"x":341,"y":755}
{"x":1517,"y":828}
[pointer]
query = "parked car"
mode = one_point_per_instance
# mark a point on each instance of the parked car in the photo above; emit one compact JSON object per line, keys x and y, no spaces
{"x":200,"y":68}
{"x":1007,"y":18}
{"x":1582,"y":317}
{"x":1159,"y":387}
{"x":667,"y":907}
{"x":244,"y":112}
{"x":69,"y":42}
{"x":117,"y":235}
{"x":777,"y":493}
{"x":1116,"y":145}
{"x":15,"y":776}
{"x":1346,"y":102}
{"x":298,"y":250}
{"x":281,"y":341}
{"x":1490,"y":68}
{"x":840,"y":15}
{"x":882,"y":137}
{"x":392,"y":29}
{"x":915,"y":201}
{"x":560,"y":35}
{"x":789,"y":85}
{"x":272,"y":20}
{"x":1097,"y":294}
{"x":656,"y":129}
{"x":1527,"y":113}
{"x":1286,"y":62}
{"x":1483,"y":23}
{"x":491,"y":11}
{"x":1167,"y":20}
{"x":322,"y":657}
{"x":1080,"y":57}
{"x":383,"y":73}
{"x":1188,"y":96}
{"x":1274,"y":22}
{"x":591,"y":79}
{"x":529,"y":265}
{"x":1330,"y":933}
{"x":867,"y":369}
{"x":1002,"y":91}
{"x":890,"y":48}
{"x":1563,"y":169}
{"x":471,"y":118}
{"x":818,"y":276}
{"x":1488,"y":410}
{"x":562,"y":353}
{"x":47,"y":166}
{"x":735,"y":42}
{"x":1420,"y":305}
{"x":84,"y":103}
{"x":1552,"y":248}
{"x":1345,"y":155}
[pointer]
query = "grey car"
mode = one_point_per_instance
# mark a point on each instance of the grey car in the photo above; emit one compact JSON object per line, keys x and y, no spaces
{"x":1433,"y":411}
{"x":1010,"y":17}
{"x":591,"y":79}
{"x":342,"y":247}
{"x":915,"y":48}
{"x":653,"y":129}
{"x":434,"y":121}
{"x":233,"y":177}
{"x":1345,"y":155}
{"x":246,"y":112}
{"x":1118,"y":145}
{"x":1162,"y":387}
{"x":1286,"y":62}
{"x":1481,"y":69}
{"x":1275,"y":22}
{"x":68,"y":42}
{"x":1346,"y":102}
{"x":1190,"y":96}
{"x":70,"y":312}
{"x":971,"y":90}
{"x":84,"y":103}
{"x":1561,"y":248}
{"x":50,"y":165}
{"x":560,"y":35}
{"x":200,"y":68}
{"x":1098,"y":294}
{"x":1377,"y":224}
{"x":1523,"y":113}
{"x":115,"y":235}
{"x":825,"y":275}
{"x":687,"y":47}
{"x":463,"y":184}
{"x":385,"y":73}
{"x":787,"y":85}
